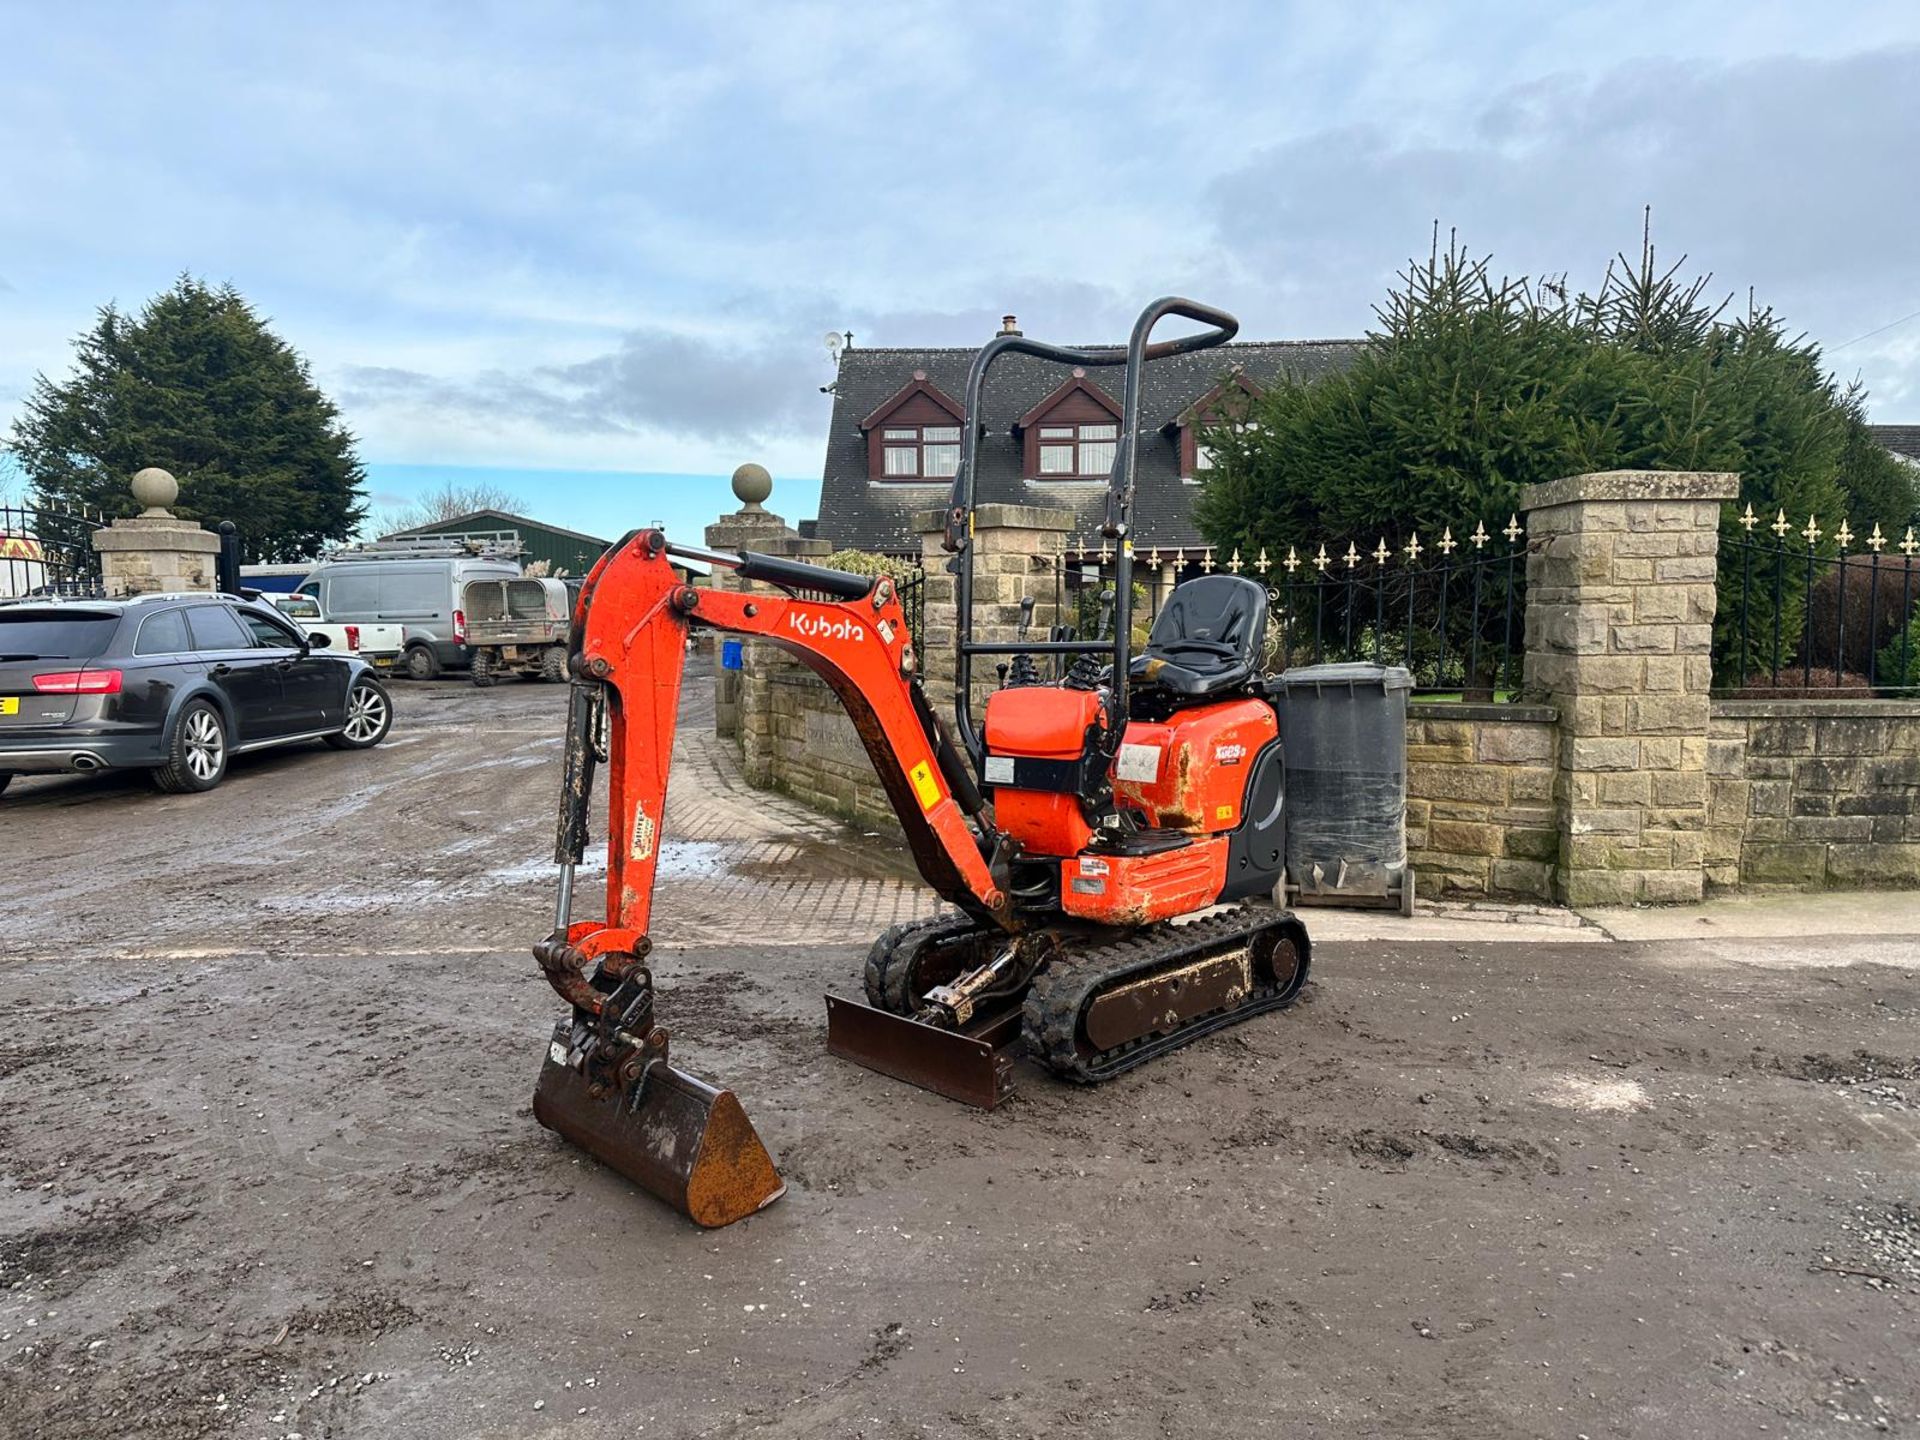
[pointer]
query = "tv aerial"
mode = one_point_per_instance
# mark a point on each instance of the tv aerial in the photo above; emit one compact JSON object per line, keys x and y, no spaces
{"x":834,"y":345}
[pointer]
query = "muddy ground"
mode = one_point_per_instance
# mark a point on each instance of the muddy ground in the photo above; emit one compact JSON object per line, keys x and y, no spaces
{"x":276,"y":1173}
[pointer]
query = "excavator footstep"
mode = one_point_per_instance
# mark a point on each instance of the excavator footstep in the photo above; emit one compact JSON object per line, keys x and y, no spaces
{"x":685,"y":1141}
{"x":971,"y":1065}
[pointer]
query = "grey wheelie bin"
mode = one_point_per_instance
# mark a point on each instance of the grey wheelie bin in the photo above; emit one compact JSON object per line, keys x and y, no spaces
{"x":1343,"y":732}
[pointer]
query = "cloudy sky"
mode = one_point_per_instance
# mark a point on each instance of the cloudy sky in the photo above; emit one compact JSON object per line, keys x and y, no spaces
{"x":579,"y":245}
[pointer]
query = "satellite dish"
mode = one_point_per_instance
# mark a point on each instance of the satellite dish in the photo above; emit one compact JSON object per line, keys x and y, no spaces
{"x":833,"y":343}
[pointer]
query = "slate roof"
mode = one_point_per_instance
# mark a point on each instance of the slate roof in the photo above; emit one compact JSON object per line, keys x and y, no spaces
{"x":1902,"y":440}
{"x":858,"y":513}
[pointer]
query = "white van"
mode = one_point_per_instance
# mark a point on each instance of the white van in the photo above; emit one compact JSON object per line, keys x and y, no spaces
{"x":394,"y":582}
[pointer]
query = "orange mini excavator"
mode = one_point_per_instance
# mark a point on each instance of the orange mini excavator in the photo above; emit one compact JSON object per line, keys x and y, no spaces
{"x":1109,"y":839}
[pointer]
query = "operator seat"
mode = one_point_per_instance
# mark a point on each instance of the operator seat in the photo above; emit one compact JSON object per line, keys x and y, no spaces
{"x":1208,"y":638}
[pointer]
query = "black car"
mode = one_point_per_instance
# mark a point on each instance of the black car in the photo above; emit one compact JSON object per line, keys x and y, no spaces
{"x":174,"y":684}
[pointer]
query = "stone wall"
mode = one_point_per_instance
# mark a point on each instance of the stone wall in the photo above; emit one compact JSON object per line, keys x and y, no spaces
{"x":1813,"y":793}
{"x":812,"y":752}
{"x":1626,"y":784}
{"x":1480,"y":817}
{"x":1480,"y":812}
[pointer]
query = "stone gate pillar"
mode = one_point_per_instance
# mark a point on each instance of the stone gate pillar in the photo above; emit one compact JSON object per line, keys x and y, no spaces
{"x":1620,"y":605}
{"x":156,"y":551}
{"x":1015,"y":550}
{"x":751,"y":527}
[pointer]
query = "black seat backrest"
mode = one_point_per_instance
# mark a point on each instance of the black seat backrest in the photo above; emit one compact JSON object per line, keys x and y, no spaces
{"x":1208,"y":638}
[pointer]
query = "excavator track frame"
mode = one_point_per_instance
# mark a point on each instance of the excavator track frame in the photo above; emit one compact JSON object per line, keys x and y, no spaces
{"x":1069,"y":988}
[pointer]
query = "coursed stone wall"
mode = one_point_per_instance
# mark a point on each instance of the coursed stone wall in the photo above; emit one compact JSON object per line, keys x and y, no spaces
{"x":1807,"y":794}
{"x":1480,"y":812}
{"x":812,"y":752}
{"x":1624,"y":784}
{"x":1480,"y":816}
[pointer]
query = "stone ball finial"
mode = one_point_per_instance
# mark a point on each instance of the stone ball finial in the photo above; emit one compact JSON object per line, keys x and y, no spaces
{"x":155,"y":489}
{"x":751,"y":485}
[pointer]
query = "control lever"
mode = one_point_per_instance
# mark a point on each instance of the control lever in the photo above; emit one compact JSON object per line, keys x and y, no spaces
{"x":1023,"y":671}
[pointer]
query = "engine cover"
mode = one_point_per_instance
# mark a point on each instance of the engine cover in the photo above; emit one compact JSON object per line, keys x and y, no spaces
{"x":1189,"y":772}
{"x":1037,"y":765}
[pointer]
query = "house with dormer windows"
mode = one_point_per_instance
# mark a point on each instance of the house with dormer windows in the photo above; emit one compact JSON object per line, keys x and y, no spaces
{"x":1050,"y":434}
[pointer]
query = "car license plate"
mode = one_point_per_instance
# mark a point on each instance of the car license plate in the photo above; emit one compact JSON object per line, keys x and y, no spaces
{"x":383,"y":660}
{"x":9,"y":704}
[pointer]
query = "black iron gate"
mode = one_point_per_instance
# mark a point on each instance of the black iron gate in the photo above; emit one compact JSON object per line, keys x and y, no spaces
{"x":47,"y":549}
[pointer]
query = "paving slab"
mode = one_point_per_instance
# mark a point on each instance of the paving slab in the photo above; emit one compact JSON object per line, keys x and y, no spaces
{"x":1877,"y":913}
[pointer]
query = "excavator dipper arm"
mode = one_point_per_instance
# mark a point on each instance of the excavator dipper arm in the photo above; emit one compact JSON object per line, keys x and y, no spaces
{"x":636,"y":614}
{"x":607,"y":1084}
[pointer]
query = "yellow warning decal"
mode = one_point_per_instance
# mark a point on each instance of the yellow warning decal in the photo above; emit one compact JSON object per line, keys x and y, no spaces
{"x":924,"y":785}
{"x":1223,"y":812}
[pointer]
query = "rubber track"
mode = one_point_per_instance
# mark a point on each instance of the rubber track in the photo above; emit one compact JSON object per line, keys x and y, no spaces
{"x":896,"y":947}
{"x":1061,"y":992}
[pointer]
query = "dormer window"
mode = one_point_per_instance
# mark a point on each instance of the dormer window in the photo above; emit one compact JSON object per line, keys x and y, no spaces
{"x":1228,"y":404}
{"x":1078,"y":451}
{"x":914,"y":438}
{"x":910,"y":452}
{"x":1073,"y":434}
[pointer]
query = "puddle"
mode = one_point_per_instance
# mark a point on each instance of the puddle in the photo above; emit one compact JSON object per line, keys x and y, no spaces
{"x":834,"y":860}
{"x":542,"y":870}
{"x":682,"y":858}
{"x":679,"y":859}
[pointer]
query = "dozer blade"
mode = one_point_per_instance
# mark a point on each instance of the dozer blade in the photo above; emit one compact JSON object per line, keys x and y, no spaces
{"x":686,"y":1142}
{"x":969,"y":1065}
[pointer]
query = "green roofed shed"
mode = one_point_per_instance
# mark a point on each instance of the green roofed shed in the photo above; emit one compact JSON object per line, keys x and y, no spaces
{"x":567,"y":552}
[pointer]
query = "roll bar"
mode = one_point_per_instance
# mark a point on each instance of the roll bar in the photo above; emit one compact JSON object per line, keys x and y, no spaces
{"x":1141,"y":348}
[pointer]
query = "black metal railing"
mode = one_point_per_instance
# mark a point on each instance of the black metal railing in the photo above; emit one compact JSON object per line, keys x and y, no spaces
{"x":47,"y":549}
{"x":910,"y":584}
{"x":1801,"y":611}
{"x":1452,"y":611}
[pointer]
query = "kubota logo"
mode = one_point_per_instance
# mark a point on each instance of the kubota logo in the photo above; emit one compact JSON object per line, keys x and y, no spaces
{"x":819,"y":627}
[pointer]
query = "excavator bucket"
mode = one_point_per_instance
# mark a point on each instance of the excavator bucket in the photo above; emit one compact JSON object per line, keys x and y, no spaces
{"x":970,"y":1065}
{"x":686,"y":1142}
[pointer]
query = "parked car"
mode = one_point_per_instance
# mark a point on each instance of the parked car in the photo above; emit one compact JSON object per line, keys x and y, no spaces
{"x":377,"y":643}
{"x":518,"y":627}
{"x":174,"y":684}
{"x":415,"y":584}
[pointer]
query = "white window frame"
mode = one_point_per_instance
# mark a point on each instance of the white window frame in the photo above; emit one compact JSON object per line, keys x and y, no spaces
{"x":1072,"y":439}
{"x":910,"y":443}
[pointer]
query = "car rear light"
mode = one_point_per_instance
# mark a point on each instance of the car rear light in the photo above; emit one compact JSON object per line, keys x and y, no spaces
{"x":78,"y":682}
{"x":459,"y":627}
{"x":353,"y":637}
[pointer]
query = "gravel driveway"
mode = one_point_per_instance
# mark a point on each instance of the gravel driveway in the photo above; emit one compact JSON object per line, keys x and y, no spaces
{"x":267,"y":1165}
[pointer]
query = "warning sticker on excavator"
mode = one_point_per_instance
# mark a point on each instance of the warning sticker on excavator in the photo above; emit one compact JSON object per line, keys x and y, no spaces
{"x":1138,"y":762}
{"x":924,"y":785}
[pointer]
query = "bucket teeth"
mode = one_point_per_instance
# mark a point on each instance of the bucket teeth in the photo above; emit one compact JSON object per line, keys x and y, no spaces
{"x":678,"y":1138}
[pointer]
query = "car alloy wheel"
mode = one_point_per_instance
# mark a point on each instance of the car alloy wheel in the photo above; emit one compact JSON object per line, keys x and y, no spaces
{"x":205,"y":745}
{"x":366,"y":714}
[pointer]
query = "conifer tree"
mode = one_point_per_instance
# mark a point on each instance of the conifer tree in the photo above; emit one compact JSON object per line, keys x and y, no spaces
{"x":197,"y":384}
{"x":1473,"y":386}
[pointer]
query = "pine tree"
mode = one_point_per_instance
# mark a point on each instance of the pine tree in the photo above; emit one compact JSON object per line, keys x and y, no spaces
{"x":197,"y":384}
